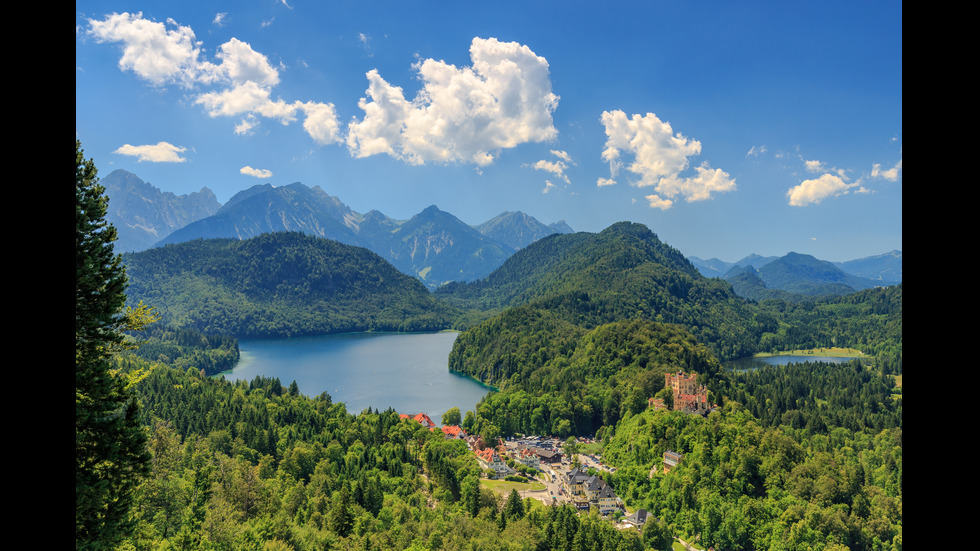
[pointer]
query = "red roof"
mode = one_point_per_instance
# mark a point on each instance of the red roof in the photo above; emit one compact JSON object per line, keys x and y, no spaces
{"x":454,"y":431}
{"x":487,"y":454}
{"x":424,"y":420}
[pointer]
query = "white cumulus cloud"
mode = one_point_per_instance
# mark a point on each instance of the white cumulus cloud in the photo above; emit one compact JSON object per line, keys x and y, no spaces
{"x":699,"y":187}
{"x":151,"y":50}
{"x":462,"y":114}
{"x":246,"y":125}
{"x":659,"y":157}
{"x":321,"y":122}
{"x":658,"y":202}
{"x":161,"y":152}
{"x":241,"y":64}
{"x":557,"y":168}
{"x":814,"y":166}
{"x":243,"y":79}
{"x":258,"y":173}
{"x":890,"y":174}
{"x":563,"y":155}
{"x":810,"y":192}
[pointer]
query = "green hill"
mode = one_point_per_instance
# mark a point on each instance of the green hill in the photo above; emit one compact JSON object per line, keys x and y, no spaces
{"x":575,"y":382}
{"x":585,"y":280}
{"x":575,"y":261}
{"x":277,"y":285}
{"x":804,"y":274}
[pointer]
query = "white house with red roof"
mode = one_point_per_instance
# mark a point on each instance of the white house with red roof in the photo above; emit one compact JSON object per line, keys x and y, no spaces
{"x":528,"y":457}
{"x":490,"y":459}
{"x":454,"y":432}
{"x":419,"y":418}
{"x":425,"y":421}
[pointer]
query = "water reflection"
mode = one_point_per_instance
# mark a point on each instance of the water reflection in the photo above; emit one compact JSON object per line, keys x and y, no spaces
{"x":405,"y":371}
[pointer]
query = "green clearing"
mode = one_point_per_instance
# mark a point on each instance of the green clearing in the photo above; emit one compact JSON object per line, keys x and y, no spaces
{"x":595,"y":448}
{"x":833,"y":352}
{"x":505,"y":486}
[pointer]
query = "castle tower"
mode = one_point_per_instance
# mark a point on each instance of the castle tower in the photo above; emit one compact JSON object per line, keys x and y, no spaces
{"x":688,"y":395}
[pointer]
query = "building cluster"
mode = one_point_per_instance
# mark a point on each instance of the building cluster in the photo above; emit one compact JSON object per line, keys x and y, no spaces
{"x":451,"y":431}
{"x":490,"y":458}
{"x":524,"y":452}
{"x":587,"y":491}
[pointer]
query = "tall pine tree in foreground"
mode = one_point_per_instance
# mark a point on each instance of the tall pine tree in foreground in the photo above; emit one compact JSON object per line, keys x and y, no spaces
{"x":110,"y":444}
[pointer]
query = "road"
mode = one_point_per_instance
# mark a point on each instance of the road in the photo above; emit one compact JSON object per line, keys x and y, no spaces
{"x":552,"y":491}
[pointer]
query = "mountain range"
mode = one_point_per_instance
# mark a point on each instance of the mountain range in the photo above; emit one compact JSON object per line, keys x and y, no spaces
{"x":434,"y":246}
{"x":542,"y":298}
{"x":796,"y":275}
{"x":143,"y":215}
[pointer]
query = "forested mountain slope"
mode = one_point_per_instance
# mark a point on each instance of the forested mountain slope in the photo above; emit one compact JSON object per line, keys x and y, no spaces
{"x":281,"y":284}
{"x":743,"y":484}
{"x":564,"y":380}
{"x":802,"y":273}
{"x":259,"y":466}
{"x":869,"y":320}
{"x":564,"y":285}
{"x":585,"y":280}
{"x":567,"y":262}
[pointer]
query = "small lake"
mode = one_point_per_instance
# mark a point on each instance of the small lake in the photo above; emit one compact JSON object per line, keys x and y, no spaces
{"x":748,"y":364}
{"x":407,"y":372}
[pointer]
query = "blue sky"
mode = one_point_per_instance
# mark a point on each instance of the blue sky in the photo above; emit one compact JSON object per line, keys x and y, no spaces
{"x":728,"y":128}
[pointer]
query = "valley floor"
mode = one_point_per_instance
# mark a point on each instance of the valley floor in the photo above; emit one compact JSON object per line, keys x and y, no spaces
{"x":833,"y":352}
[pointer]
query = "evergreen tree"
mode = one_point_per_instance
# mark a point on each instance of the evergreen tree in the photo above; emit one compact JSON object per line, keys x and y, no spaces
{"x":514,"y":507}
{"x":110,"y":444}
{"x":341,"y":518}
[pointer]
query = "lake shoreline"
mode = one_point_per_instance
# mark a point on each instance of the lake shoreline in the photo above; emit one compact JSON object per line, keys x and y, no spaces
{"x":474,"y":379}
{"x":407,"y":371}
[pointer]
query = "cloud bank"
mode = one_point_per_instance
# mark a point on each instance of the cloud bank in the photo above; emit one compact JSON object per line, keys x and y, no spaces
{"x":461,"y":114}
{"x":242,"y":79}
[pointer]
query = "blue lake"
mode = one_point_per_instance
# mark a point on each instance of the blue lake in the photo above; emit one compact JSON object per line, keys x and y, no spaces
{"x":407,"y":372}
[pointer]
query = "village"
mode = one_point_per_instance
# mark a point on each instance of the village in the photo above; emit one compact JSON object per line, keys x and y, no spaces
{"x":575,"y":479}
